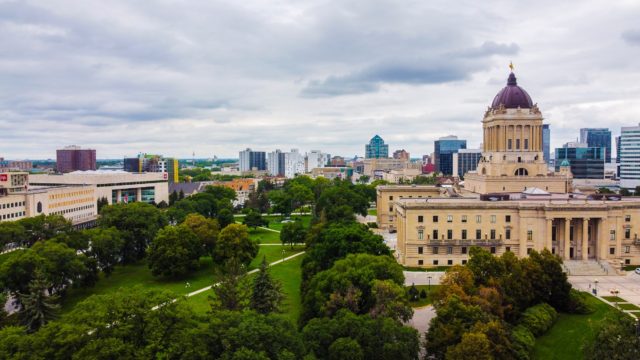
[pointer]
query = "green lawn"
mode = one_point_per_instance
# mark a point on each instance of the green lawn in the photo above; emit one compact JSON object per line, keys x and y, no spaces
{"x":614,"y":299}
{"x":273,"y":253}
{"x":275,"y":222}
{"x":628,"y":306}
{"x":571,"y":333}
{"x":373,"y":212}
{"x":424,"y":301}
{"x":264,"y":236}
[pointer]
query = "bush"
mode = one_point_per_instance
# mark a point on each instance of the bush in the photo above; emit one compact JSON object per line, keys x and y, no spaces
{"x":523,"y":342}
{"x":423,"y":294}
{"x":578,"y":303}
{"x":539,"y":318}
{"x":372,"y":225}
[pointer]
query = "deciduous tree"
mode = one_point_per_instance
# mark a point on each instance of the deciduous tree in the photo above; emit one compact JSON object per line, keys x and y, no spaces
{"x":234,"y":242}
{"x":174,"y":252}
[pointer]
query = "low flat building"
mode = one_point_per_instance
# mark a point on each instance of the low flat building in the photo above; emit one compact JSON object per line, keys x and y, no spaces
{"x":401,"y":175}
{"x":331,"y":172}
{"x":374,"y":167}
{"x":115,"y":186}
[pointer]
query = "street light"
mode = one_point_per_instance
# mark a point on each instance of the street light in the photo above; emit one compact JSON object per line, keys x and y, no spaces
{"x":615,"y":293}
{"x":429,"y":287}
{"x":595,"y":288}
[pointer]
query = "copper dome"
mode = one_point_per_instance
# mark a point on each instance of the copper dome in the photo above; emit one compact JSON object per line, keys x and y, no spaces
{"x":512,"y":96}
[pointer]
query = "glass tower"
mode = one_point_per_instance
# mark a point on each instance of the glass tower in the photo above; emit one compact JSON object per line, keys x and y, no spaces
{"x":376,"y":148}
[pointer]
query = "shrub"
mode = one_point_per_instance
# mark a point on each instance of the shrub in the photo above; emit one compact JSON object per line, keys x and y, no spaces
{"x":539,"y":318}
{"x":372,"y":225}
{"x":423,"y":294}
{"x":523,"y":342}
{"x":578,"y":303}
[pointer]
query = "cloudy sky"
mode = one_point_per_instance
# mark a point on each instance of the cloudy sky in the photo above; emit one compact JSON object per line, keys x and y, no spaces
{"x":213,"y":77}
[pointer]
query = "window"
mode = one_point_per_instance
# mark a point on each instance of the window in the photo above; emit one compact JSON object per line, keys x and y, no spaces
{"x":449,"y":218}
{"x":464,"y":235}
{"x":420,"y":234}
{"x":493,"y":249}
{"x":463,"y":218}
{"x":420,"y":218}
{"x":493,"y":234}
{"x":478,"y":219}
{"x":478,"y":234}
{"x":435,"y":262}
{"x":390,"y":198}
{"x":627,"y":261}
{"x":464,"y":262}
{"x":435,"y":218}
{"x":612,"y":235}
{"x":517,"y":144}
{"x":627,"y":249}
{"x":449,"y":234}
{"x":493,"y":219}
{"x":509,"y":144}
{"x":612,"y":251}
{"x":435,"y":234}
{"x":420,"y":250}
{"x":420,"y":262}
{"x":435,"y":250}
{"x":449,"y":262}
{"x":529,"y":251}
{"x":508,"y":248}
{"x":450,"y":250}
{"x":529,"y":235}
{"x":463,"y":250}
{"x":627,"y":233}
{"x":390,"y":208}
{"x":627,"y":218}
{"x":526,"y":144}
{"x":507,"y":234}
{"x":507,"y":218}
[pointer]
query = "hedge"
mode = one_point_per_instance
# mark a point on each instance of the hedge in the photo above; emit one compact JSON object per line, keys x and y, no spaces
{"x":539,"y":318}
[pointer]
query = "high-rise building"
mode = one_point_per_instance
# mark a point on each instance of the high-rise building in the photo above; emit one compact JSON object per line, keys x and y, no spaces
{"x":597,"y":137}
{"x":618,"y":149}
{"x":153,"y":163}
{"x":293,"y":163}
{"x":585,"y":162}
{"x":252,"y":160}
{"x":376,"y":148}
{"x":546,"y":142}
{"x":445,"y":147}
{"x":275,"y":163}
{"x":401,"y":154}
{"x":630,"y":157}
{"x":73,"y":158}
{"x":317,"y":159}
{"x":465,"y":160}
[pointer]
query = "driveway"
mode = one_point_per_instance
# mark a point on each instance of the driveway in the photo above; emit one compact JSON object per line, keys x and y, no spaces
{"x":422,"y":277}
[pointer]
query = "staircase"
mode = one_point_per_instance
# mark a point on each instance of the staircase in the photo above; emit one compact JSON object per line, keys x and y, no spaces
{"x":588,"y":268}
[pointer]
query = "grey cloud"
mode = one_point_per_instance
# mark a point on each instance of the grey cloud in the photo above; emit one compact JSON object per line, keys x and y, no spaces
{"x":631,"y":37}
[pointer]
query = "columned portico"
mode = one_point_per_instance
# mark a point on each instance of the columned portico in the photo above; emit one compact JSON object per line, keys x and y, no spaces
{"x":585,"y":239}
{"x":567,"y":239}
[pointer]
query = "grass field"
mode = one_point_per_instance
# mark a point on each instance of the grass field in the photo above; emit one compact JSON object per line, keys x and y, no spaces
{"x":275,"y":222}
{"x":628,"y":307}
{"x":571,"y":333}
{"x":373,"y":212}
{"x":614,"y":299}
{"x":264,"y":236}
{"x":424,"y":301}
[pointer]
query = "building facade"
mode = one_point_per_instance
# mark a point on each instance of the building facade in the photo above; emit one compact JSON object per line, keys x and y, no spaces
{"x":546,"y":143}
{"x":465,"y":160}
{"x":597,"y":137}
{"x":275,"y":163}
{"x":376,"y":148}
{"x":386,"y":195}
{"x":375,"y":167}
{"x":293,"y":164}
{"x":316,"y":159}
{"x":512,"y":203}
{"x":401,"y":154}
{"x":585,"y":162}
{"x":630,"y":157}
{"x":445,"y":147}
{"x":153,"y":163}
{"x":74,"y":158}
{"x":252,"y":160}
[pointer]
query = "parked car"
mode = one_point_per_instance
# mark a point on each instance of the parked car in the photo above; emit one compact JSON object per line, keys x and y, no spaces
{"x":637,"y":271}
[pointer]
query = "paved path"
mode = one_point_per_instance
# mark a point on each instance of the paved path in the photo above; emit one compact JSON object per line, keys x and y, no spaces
{"x":300,"y":244}
{"x":421,"y":318}
{"x":628,"y":285}
{"x":422,"y":277}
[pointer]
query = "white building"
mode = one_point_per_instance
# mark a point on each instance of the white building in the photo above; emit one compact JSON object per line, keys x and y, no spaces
{"x":316,"y":159}
{"x":630,"y":157}
{"x":293,"y":163}
{"x":275,"y":163}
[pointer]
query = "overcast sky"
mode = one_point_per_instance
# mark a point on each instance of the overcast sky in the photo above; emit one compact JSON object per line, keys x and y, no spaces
{"x":214,"y":77}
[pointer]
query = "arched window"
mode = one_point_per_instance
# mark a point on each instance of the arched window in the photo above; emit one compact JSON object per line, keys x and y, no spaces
{"x":484,"y":171}
{"x":521,"y":172}
{"x":39,"y":207}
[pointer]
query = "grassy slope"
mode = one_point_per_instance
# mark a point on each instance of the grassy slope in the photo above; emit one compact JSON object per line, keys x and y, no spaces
{"x":422,"y":302}
{"x":571,"y":333}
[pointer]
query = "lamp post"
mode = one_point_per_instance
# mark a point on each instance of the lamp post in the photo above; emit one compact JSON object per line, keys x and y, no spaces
{"x":282,"y":254}
{"x":429,"y":286}
{"x":615,"y":292}
{"x":595,"y":288}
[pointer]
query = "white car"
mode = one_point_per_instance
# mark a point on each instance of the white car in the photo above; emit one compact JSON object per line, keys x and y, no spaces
{"x":637,"y":270}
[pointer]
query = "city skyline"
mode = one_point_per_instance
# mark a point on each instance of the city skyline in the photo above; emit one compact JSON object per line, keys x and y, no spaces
{"x":167,"y":79}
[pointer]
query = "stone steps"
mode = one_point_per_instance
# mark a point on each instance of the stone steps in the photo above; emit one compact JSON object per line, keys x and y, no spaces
{"x":587,"y":268}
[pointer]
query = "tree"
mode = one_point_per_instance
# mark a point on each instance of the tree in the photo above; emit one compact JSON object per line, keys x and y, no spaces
{"x":300,"y":195}
{"x":101,"y":203}
{"x":625,"y":192}
{"x":43,"y":227}
{"x":352,"y":281}
{"x":138,"y":224}
{"x":293,"y":233}
{"x":225,"y":218}
{"x":254,"y":219}
{"x":232,"y":292}
{"x":3,"y":313}
{"x":234,"y":242}
{"x":61,"y":265}
{"x":345,"y":348}
{"x":162,"y":205}
{"x":37,"y":307}
{"x":173,"y":197}
{"x":267,"y":292}
{"x":106,"y":247}
{"x":174,"y":252}
{"x":12,"y":232}
{"x":18,"y":271}
{"x":636,"y":191}
{"x":206,"y":230}
{"x":616,"y":339}
{"x":472,"y":346}
{"x":281,"y":202}
{"x":339,"y":203}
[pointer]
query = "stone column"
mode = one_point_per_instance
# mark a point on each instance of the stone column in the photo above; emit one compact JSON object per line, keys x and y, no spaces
{"x":567,"y":239}
{"x":585,"y":239}
{"x":603,"y":240}
{"x":549,"y":236}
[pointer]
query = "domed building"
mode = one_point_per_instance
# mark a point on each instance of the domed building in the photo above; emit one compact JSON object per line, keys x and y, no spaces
{"x":512,"y":202}
{"x":512,"y":158}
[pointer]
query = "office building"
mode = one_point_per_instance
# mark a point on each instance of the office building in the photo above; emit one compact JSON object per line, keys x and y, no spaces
{"x":597,"y":137}
{"x":512,"y":203}
{"x":546,"y":143}
{"x":338,"y":161}
{"x":376,"y":148}
{"x":465,"y":160}
{"x":252,"y":160}
{"x":74,"y":158}
{"x":401,"y":154}
{"x":153,"y":163}
{"x":275,"y":163}
{"x":317,"y":159}
{"x":585,"y":162}
{"x":618,"y":149}
{"x":630,"y":157}
{"x":293,"y":164}
{"x":15,"y":165}
{"x":375,"y":167}
{"x":445,"y":147}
